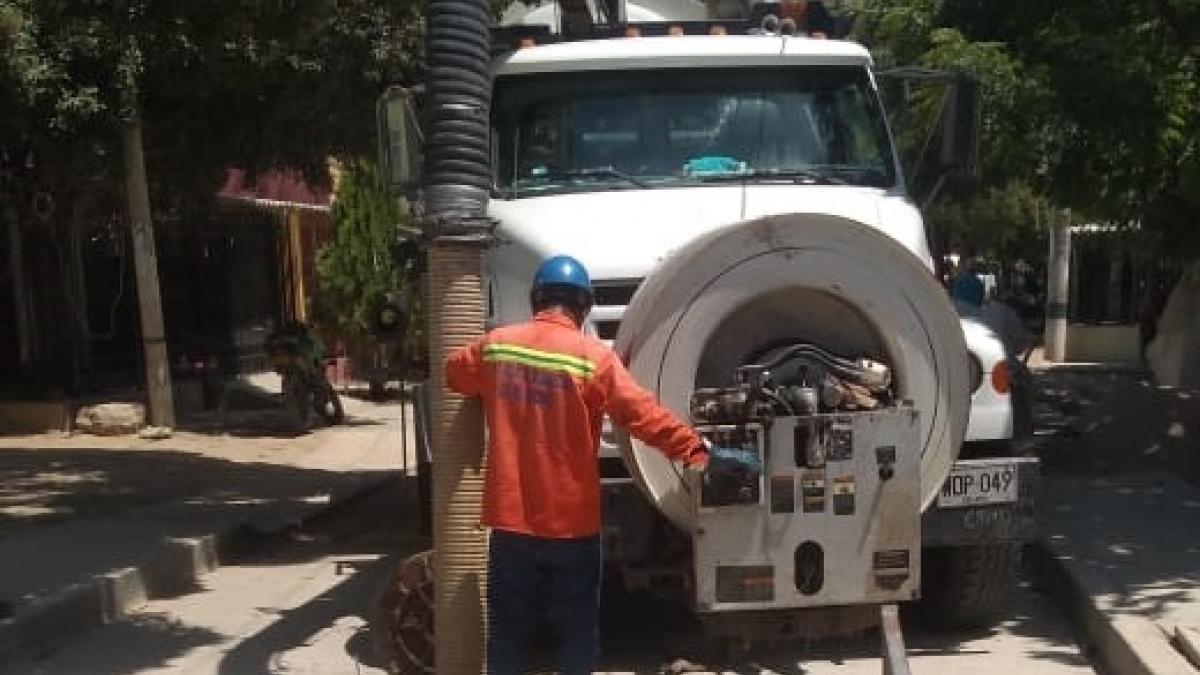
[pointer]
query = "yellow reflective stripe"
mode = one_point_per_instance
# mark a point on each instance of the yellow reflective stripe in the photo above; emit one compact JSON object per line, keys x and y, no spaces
{"x":506,"y":353}
{"x":539,"y":365}
{"x":541,"y":355}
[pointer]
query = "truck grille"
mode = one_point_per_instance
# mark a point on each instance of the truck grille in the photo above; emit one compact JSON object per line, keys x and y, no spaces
{"x":615,"y":292}
{"x":607,"y":330}
{"x":611,"y":297}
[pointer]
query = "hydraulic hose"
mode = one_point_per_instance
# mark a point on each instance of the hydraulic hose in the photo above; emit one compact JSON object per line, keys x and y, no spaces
{"x":458,"y":179}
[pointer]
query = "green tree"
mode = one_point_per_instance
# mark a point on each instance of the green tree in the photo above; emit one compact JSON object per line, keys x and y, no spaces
{"x":357,"y":271}
{"x":1090,"y":105}
{"x":215,"y":83}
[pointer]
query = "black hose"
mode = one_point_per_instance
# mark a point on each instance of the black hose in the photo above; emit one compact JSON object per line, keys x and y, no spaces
{"x":845,"y":368}
{"x":458,"y":175}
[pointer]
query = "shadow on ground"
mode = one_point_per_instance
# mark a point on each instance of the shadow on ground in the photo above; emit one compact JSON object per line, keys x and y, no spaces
{"x":1096,"y":422}
{"x":45,"y":485}
{"x":645,"y":636}
{"x":362,"y":538}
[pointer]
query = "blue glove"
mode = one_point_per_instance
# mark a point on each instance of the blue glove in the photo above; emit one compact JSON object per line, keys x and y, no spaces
{"x":733,"y":460}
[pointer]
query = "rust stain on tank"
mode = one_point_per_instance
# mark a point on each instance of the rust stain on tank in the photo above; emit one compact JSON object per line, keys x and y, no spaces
{"x":765,"y":231}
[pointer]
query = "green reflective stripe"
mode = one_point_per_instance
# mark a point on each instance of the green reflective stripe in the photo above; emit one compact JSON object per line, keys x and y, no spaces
{"x":538,"y":359}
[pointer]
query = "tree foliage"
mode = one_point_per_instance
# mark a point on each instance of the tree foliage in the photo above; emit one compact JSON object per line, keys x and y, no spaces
{"x":218,"y":83}
{"x":357,"y":271}
{"x":1089,"y":105}
{"x":360,"y":274}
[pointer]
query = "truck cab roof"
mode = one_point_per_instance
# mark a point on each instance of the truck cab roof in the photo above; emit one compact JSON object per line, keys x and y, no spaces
{"x":688,"y":51}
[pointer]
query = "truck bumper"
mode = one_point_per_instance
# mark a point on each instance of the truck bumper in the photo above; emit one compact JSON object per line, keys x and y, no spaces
{"x":987,"y":523}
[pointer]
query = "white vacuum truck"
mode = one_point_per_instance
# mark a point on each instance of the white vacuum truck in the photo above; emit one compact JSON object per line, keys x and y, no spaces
{"x":758,"y":263}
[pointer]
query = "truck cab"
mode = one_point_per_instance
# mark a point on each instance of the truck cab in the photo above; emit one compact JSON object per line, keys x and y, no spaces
{"x":619,"y":151}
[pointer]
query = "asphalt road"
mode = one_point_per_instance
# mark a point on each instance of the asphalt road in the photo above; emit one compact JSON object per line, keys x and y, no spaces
{"x":298,"y":606}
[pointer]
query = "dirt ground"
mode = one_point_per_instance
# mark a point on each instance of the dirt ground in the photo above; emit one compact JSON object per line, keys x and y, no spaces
{"x":51,"y":477}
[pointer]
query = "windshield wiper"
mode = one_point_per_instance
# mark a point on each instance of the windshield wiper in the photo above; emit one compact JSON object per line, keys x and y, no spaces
{"x":595,"y":172}
{"x":806,"y":176}
{"x":796,"y":176}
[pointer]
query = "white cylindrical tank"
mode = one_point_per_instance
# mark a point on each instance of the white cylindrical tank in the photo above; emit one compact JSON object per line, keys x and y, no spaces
{"x":816,"y":278}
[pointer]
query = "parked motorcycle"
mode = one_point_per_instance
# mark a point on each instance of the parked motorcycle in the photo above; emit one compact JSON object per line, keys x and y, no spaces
{"x":296,"y":354}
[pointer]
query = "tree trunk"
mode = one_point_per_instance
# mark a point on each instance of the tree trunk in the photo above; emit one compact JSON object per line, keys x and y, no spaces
{"x":1058,"y":284}
{"x":21,"y":310}
{"x":161,"y":409}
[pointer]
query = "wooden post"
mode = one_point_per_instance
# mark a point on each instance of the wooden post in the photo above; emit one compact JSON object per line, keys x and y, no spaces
{"x":160,"y":404}
{"x":293,"y":222}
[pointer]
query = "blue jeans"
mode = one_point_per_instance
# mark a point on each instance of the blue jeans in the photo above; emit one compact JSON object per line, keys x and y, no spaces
{"x":530,"y":576}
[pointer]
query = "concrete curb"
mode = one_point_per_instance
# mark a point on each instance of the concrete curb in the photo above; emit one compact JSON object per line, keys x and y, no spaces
{"x":175,"y":568}
{"x":1125,"y":644}
{"x":1188,"y":639}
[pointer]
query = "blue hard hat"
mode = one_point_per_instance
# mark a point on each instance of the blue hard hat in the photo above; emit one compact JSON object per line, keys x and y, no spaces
{"x":563,"y":270}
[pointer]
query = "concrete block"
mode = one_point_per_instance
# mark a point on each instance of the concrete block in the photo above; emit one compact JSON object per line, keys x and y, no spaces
{"x":35,"y":629}
{"x":179,"y":564}
{"x":121,"y":592}
{"x":1187,"y":638}
{"x":111,"y":419}
{"x":1138,"y":646}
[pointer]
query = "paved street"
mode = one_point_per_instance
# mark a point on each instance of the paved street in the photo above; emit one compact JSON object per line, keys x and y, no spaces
{"x":300,"y":608}
{"x":297,"y":601}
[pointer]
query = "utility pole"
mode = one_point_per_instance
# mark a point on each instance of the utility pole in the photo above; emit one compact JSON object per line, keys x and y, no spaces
{"x":1058,"y":283}
{"x":159,"y":400}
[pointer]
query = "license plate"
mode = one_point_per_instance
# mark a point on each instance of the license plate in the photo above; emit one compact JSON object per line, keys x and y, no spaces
{"x":971,"y":485}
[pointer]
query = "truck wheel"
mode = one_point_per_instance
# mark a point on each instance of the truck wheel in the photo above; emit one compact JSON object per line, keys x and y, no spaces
{"x":968,"y":586}
{"x":401,"y":621}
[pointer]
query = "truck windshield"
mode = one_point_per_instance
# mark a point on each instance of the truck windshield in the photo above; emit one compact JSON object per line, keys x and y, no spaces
{"x":613,"y":130}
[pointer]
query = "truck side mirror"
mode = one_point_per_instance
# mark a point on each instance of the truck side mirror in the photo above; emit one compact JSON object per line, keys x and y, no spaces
{"x":960,"y":128}
{"x":399,"y":140}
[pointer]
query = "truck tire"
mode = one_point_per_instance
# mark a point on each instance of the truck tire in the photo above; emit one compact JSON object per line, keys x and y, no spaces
{"x":830,"y":281}
{"x":401,"y":619}
{"x":968,"y":586}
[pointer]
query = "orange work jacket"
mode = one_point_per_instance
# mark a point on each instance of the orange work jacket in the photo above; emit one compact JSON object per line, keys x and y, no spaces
{"x":545,"y":388}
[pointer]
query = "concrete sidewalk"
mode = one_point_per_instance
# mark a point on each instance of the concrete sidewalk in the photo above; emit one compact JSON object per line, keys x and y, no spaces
{"x":91,"y":527}
{"x":1130,"y":547}
{"x":1119,"y":511}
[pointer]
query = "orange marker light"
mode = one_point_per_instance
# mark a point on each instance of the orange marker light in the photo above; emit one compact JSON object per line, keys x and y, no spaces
{"x":1001,"y":377}
{"x":633,"y":31}
{"x":718,"y":30}
{"x":675,"y":30}
{"x":526,"y":42}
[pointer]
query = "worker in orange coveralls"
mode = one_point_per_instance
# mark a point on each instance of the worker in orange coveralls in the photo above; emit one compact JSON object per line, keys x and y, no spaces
{"x":545,"y":388}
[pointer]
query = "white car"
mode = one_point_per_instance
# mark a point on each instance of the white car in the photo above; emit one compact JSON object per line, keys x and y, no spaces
{"x":1000,"y":405}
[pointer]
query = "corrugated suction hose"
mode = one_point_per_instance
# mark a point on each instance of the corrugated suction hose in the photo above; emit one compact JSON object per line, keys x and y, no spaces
{"x":456,"y":318}
{"x":458,"y":178}
{"x":457,"y":148}
{"x":457,"y":181}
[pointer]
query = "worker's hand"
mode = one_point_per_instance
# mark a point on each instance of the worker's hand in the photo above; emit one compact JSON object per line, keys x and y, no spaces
{"x":733,"y":461}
